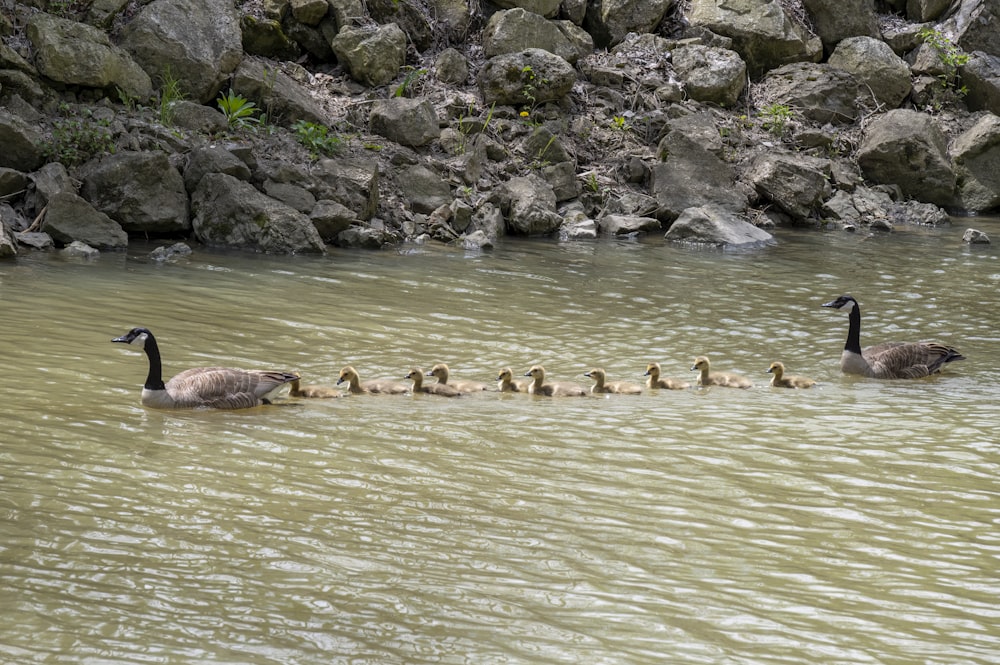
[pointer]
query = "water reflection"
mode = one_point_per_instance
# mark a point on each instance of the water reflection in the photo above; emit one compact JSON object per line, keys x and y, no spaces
{"x":850,"y":523}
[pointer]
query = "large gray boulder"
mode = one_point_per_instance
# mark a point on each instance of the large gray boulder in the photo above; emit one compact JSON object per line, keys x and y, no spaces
{"x":231,"y":213}
{"x":411,"y":122}
{"x":981,"y":76}
{"x":817,"y":91}
{"x":907,"y":149}
{"x":718,"y":227}
{"x":212,"y":158}
{"x":621,"y":225}
{"x":762,"y":33}
{"x":873,"y":64}
{"x":976,"y":155}
{"x":691,"y":175}
{"x":526,"y":78}
{"x":923,"y":11}
{"x":796,"y":183}
{"x":331,"y":218}
{"x":517,"y":29}
{"x":353,"y":183}
{"x":836,"y":20}
{"x":142,"y":191}
{"x":23,"y":147}
{"x":8,"y":248}
{"x":974,"y":25}
{"x":710,"y":74}
{"x":547,"y":8}
{"x":425,"y":190}
{"x":79,"y":54}
{"x":197,"y":41}
{"x":609,"y":21}
{"x":529,"y":206}
{"x":372,"y":55}
{"x":70,"y":218}
{"x":284,"y":97}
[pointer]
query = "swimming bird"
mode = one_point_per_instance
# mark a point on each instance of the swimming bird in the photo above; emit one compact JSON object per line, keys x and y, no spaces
{"x":312,"y":392}
{"x":443,"y":389}
{"x":889,"y":360}
{"x":620,"y":387}
{"x":654,"y":380}
{"x":358,"y":387}
{"x":781,"y":380}
{"x":724,"y":379}
{"x":441,"y":372}
{"x":213,"y":387}
{"x":506,"y":383}
{"x":553,"y":389}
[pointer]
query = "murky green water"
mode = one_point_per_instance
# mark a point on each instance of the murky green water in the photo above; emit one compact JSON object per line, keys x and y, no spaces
{"x":853,"y":523}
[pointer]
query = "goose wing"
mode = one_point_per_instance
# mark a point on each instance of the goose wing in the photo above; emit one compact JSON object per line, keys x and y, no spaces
{"x":225,"y":387}
{"x":910,"y":360}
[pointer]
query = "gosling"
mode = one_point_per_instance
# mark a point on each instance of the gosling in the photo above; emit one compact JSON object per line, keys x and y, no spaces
{"x":441,"y":372}
{"x":312,"y":392}
{"x":618,"y":387}
{"x":443,"y":389}
{"x":723,"y":379}
{"x":356,"y":386}
{"x":506,"y":383}
{"x":654,"y":380}
{"x":780,"y":380}
{"x":553,"y":389}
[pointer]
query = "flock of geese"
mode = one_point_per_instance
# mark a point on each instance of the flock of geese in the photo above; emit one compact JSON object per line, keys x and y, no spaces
{"x":229,"y":388}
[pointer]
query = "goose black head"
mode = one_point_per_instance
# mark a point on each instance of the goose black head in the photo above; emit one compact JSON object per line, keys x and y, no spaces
{"x":843,"y":302}
{"x":137,"y":336}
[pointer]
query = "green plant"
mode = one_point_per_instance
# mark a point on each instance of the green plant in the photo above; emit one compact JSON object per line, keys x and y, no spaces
{"x":412,"y":75}
{"x":78,"y":137}
{"x":239,"y":111}
{"x":529,"y":87}
{"x":170,"y":93}
{"x":317,"y":138}
{"x":592,"y":183}
{"x":775,"y":118}
{"x":951,"y":57}
{"x":620,"y":123}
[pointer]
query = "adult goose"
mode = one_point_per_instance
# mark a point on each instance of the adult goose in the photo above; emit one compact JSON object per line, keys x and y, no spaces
{"x":553,"y":389}
{"x":443,"y":389}
{"x":441,"y":372}
{"x":211,"y":387}
{"x":724,"y":379}
{"x":602,"y":387}
{"x":889,"y":360}
{"x":356,"y":386}
{"x":782,"y":380}
{"x":654,"y":380}
{"x":506,"y":383}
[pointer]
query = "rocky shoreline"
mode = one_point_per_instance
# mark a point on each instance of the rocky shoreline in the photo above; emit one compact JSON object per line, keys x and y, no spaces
{"x":284,"y":126}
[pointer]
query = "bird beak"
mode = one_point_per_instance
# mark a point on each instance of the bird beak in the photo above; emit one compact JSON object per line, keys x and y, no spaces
{"x":120,"y":339}
{"x":832,"y":303}
{"x":770,"y":370}
{"x":694,"y":368}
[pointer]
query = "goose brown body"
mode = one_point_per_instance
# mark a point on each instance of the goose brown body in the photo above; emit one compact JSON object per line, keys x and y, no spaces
{"x":356,"y":386}
{"x":722,"y":379}
{"x":442,"y":389}
{"x":506,"y":383}
{"x":441,"y":372}
{"x":654,"y":380}
{"x":538,"y":386}
{"x":888,"y":360}
{"x":618,"y":387}
{"x":782,"y":380}
{"x":203,"y":387}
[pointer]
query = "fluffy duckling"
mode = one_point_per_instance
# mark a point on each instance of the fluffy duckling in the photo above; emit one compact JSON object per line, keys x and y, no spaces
{"x":506,"y":383}
{"x":709,"y":378}
{"x":357,"y":387}
{"x":443,"y":389}
{"x":779,"y":380}
{"x":654,"y":380}
{"x":312,"y":392}
{"x":619,"y":387}
{"x":441,"y":372}
{"x":553,"y":389}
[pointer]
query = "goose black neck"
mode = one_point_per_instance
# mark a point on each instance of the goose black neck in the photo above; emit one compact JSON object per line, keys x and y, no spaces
{"x":854,"y":331}
{"x":154,"y":380}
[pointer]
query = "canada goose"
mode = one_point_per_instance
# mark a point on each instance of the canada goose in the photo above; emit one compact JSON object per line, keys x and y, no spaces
{"x":620,"y":387}
{"x":214,"y":387}
{"x":553,"y":389}
{"x":654,"y":380}
{"x":724,"y":379}
{"x":506,"y":383}
{"x":780,"y":380}
{"x":441,"y":372}
{"x":356,"y":387}
{"x":312,"y":392}
{"x":443,"y":389}
{"x":889,"y":360}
